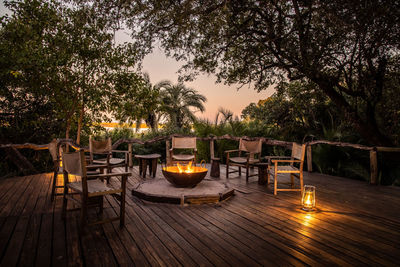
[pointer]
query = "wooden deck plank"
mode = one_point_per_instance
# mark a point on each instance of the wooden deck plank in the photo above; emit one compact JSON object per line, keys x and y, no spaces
{"x":27,"y":198}
{"x":141,"y":232}
{"x":326,"y":233}
{"x":224,"y":249}
{"x":194,"y":242}
{"x":173,"y":246}
{"x":356,"y":224}
{"x":30,"y":244}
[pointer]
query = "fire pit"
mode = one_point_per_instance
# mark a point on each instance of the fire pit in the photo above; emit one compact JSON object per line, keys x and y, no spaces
{"x":184,"y":176}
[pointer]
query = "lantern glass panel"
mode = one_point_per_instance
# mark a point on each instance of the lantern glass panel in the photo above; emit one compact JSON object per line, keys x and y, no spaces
{"x":308,"y":198}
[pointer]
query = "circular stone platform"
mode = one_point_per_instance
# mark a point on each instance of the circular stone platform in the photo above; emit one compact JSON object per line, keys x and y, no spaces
{"x":160,"y":190}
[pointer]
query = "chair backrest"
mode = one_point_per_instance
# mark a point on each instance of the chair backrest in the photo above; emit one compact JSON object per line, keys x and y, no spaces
{"x":253,"y":147}
{"x":183,"y":142}
{"x":298,"y":151}
{"x":103,"y":146}
{"x":74,"y":163}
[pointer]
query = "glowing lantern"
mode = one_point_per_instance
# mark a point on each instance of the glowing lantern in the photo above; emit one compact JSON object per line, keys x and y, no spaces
{"x":308,"y":198}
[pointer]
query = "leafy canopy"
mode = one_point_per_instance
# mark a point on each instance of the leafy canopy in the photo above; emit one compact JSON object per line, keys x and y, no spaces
{"x":345,"y":47}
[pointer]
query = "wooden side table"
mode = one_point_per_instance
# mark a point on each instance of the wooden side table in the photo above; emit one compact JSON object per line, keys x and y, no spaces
{"x":262,"y":172}
{"x":151,"y":161}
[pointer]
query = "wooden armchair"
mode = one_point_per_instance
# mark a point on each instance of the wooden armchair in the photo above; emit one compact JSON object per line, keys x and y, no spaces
{"x":248,"y":154}
{"x":183,"y":143}
{"x":90,"y":190}
{"x":292,"y":165}
{"x":101,"y":153}
{"x":55,"y":152}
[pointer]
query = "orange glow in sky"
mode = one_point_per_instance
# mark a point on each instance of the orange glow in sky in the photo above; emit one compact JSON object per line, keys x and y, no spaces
{"x":159,"y":68}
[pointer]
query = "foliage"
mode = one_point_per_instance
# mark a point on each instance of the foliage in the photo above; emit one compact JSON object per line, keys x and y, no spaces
{"x":144,"y":105}
{"x":345,"y":47}
{"x":296,"y":111}
{"x":177,"y":102}
{"x":60,"y":69}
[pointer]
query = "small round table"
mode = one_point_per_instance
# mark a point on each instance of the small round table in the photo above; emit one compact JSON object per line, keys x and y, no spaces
{"x":215,"y":167}
{"x":151,"y":160}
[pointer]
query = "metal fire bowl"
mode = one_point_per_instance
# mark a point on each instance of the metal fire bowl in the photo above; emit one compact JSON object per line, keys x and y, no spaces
{"x":184,"y":179}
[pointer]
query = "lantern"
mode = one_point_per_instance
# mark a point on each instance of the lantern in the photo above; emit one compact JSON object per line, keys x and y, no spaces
{"x":308,"y":198}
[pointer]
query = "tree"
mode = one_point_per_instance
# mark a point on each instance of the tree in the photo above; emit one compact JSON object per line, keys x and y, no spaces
{"x":62,"y":57}
{"x":297,"y":110}
{"x":146,"y":106}
{"x":177,"y":101}
{"x":345,"y":47}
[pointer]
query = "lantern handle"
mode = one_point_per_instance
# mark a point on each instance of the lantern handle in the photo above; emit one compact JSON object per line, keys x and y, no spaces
{"x":203,"y":164}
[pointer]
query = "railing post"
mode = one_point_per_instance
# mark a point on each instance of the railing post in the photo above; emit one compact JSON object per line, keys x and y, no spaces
{"x":309,"y":158}
{"x":167,"y":153}
{"x":211,"y":148}
{"x":130,"y":155}
{"x":373,"y":158}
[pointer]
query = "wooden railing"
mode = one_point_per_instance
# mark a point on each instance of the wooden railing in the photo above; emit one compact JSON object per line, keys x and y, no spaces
{"x":27,"y":166}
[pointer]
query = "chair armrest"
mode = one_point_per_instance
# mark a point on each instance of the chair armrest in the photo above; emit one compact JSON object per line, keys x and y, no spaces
{"x":277,"y":157}
{"x":285,"y":160}
{"x":269,"y":158}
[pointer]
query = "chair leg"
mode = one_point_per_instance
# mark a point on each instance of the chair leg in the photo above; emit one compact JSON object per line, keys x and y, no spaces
{"x":53,"y":189}
{"x":65,"y":203}
{"x":227,"y":170}
{"x":301,"y":182}
{"x":122,"y":211}
{"x":247,"y":173}
{"x":275,"y":182}
{"x":240,"y":171}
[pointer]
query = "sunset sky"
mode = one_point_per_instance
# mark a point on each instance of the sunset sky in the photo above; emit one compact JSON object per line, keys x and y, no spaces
{"x":159,"y":68}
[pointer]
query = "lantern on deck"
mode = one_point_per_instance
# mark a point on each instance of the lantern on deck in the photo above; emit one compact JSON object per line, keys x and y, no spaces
{"x":308,"y":198}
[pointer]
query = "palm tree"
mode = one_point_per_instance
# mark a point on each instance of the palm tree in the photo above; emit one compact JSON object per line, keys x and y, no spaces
{"x":177,"y":102}
{"x":227,"y":115}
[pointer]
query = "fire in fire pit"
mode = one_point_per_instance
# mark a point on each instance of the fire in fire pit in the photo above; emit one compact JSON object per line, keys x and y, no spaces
{"x":184,"y":175}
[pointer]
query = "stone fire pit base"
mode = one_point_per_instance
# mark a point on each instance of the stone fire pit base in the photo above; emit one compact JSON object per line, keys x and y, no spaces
{"x":160,"y":190}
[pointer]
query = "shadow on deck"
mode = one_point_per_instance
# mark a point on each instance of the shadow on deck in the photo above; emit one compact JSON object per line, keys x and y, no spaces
{"x":356,"y":224}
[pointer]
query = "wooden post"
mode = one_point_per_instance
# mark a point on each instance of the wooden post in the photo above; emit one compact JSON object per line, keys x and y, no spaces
{"x":167,"y":153}
{"x":309,"y":158}
{"x":211,"y":148}
{"x":130,"y":155}
{"x":373,"y":158}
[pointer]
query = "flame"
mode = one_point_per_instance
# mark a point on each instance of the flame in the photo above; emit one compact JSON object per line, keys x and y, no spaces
{"x":308,"y":200}
{"x":185,"y":168}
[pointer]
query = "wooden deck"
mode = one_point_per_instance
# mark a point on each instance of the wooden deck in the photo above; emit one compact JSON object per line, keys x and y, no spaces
{"x":356,"y":224}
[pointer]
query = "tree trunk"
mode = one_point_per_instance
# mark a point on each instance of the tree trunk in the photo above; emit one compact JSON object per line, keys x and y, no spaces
{"x":80,"y":121}
{"x":67,"y":130}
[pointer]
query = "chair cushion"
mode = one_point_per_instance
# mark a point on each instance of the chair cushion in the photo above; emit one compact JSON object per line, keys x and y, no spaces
{"x":183,"y":157}
{"x":285,"y":169}
{"x":95,"y":188}
{"x":242,"y":160}
{"x":113,"y":161}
